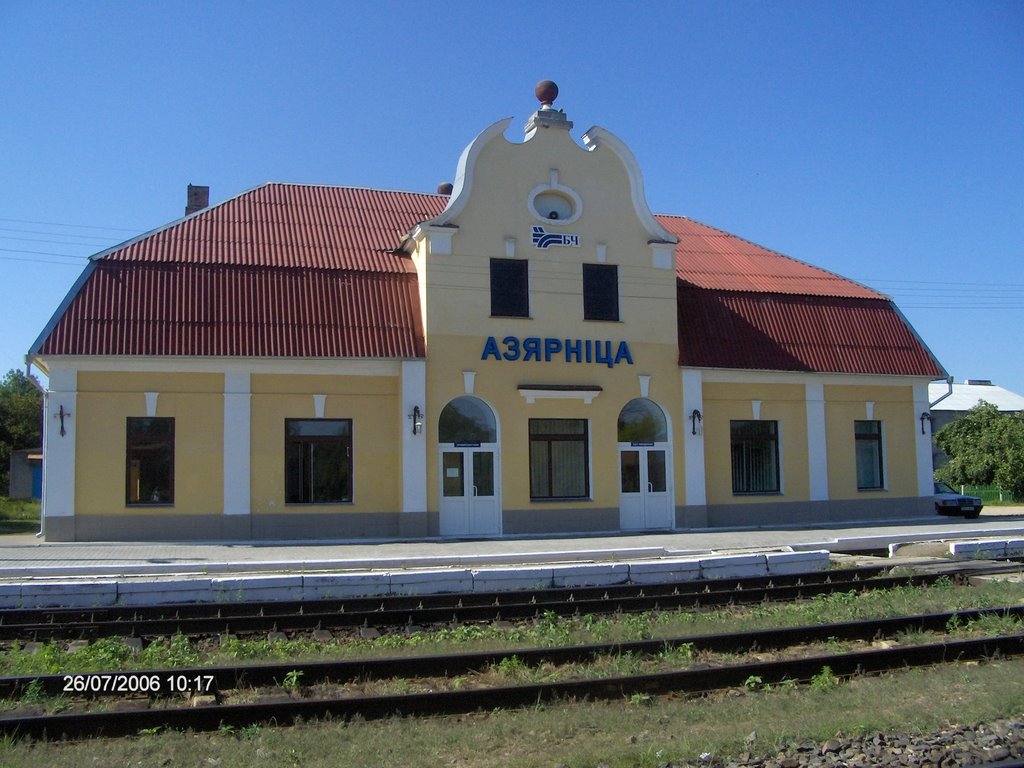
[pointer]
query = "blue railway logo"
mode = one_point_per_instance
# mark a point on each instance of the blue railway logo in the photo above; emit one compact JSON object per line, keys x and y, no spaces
{"x":543,"y":239}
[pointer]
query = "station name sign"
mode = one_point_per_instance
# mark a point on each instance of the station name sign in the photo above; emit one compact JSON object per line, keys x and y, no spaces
{"x":540,"y":350}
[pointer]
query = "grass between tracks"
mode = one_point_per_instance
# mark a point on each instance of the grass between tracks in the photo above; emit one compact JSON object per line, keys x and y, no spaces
{"x":642,"y":732}
{"x":639,"y":731}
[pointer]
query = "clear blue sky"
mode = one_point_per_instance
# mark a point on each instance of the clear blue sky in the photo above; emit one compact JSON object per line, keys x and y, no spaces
{"x":881,"y":140}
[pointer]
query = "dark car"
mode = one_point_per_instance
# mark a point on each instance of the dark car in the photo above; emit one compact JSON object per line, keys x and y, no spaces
{"x":949,"y":502}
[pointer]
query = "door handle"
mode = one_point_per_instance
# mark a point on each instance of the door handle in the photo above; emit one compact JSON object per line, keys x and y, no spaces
{"x":650,"y":487}
{"x":474,"y":491}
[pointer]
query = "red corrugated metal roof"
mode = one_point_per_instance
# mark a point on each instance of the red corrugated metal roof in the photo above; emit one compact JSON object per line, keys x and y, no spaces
{"x":709,"y":258}
{"x":780,"y":332}
{"x":283,"y":270}
{"x":292,"y":225}
{"x":288,"y":270}
{"x":217,"y":310}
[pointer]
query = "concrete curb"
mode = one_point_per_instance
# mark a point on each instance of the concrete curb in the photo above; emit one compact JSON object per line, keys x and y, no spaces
{"x":138,"y":591}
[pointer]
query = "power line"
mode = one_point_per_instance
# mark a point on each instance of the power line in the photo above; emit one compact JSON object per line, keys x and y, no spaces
{"x":105,"y":238}
{"x":44,"y":253}
{"x":974,"y":310}
{"x":80,"y":226}
{"x":54,"y":242}
{"x":41,"y":261}
{"x":937,"y":282}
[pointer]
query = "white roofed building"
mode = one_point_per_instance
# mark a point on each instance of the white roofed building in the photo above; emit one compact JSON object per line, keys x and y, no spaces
{"x":962,"y":398}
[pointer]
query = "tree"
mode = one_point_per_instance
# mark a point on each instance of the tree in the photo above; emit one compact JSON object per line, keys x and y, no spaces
{"x":985,"y":447}
{"x":21,"y":418}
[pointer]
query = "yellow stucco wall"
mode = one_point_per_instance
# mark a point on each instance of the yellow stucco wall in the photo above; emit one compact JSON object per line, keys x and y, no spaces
{"x":783,"y":403}
{"x":106,"y":400}
{"x":457,"y":294}
{"x":456,"y":298}
{"x":496,"y":383}
{"x":894,"y":407}
{"x":372,"y":404}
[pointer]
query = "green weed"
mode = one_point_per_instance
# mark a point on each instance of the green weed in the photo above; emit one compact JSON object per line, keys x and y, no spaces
{"x":825,"y":680}
{"x":512,"y":667}
{"x":291,"y":680}
{"x":176,"y":652}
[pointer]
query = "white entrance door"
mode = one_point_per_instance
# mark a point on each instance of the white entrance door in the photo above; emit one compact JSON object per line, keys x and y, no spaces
{"x":470,"y":498}
{"x":645,"y":490}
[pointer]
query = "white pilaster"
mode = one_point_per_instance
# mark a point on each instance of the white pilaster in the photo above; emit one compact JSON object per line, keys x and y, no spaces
{"x":414,"y":447}
{"x":59,"y":449}
{"x":817,"y":445}
{"x":923,"y":442}
{"x":237,"y":436}
{"x":693,"y":445}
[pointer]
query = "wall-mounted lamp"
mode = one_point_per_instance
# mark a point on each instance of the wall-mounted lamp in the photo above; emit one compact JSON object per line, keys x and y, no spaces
{"x":925,"y":417}
{"x":417,"y":420}
{"x":695,"y":418}
{"x":62,"y":414}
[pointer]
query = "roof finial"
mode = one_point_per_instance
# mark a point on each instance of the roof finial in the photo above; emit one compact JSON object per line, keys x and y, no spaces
{"x":547,"y":116}
{"x":546,"y":93}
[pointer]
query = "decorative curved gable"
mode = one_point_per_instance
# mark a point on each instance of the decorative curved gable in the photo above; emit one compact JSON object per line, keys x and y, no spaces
{"x":463,"y":185}
{"x":598,"y":137}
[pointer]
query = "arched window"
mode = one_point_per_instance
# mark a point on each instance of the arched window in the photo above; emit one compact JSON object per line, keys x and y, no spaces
{"x":642,"y":421}
{"x":467,"y":420}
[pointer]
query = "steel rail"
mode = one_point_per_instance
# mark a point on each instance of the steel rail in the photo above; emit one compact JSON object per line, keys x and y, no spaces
{"x":522,"y":609}
{"x":284,"y":710}
{"x":342,"y":671}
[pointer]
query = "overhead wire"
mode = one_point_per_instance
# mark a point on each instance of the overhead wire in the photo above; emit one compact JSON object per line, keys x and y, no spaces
{"x":908,"y":293}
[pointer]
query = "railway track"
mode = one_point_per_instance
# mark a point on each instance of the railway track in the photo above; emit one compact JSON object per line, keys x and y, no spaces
{"x":283,"y":708}
{"x":453,"y":608}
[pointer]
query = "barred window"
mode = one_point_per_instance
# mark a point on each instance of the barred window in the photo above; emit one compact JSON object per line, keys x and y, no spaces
{"x":600,"y":292}
{"x":510,"y":292}
{"x":755,"y":456}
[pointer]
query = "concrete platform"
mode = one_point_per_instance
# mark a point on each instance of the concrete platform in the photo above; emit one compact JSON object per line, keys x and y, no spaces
{"x":34,"y":572}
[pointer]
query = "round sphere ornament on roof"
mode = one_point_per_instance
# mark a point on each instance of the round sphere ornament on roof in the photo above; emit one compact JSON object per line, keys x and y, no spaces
{"x":546,"y":92}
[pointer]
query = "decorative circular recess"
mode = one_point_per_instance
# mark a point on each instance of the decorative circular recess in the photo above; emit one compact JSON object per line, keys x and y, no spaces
{"x":555,"y":205}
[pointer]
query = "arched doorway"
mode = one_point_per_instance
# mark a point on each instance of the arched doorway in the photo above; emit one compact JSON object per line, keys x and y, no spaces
{"x":645,"y":467}
{"x":470,"y":469}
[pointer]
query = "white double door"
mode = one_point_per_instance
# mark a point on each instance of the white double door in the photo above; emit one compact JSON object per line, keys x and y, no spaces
{"x":645,"y":486}
{"x":470,"y":490}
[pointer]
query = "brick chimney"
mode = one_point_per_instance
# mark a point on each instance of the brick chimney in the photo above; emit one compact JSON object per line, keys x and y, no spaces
{"x":198,"y":198}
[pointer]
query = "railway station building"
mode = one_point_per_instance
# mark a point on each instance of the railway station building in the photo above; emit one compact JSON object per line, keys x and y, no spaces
{"x":530,"y":352}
